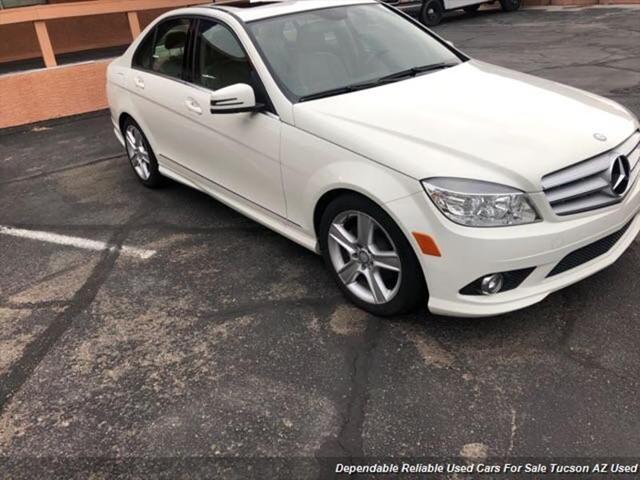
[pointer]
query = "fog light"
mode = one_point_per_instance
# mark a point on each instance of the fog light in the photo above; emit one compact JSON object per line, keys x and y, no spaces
{"x":491,"y":284}
{"x":497,"y":282}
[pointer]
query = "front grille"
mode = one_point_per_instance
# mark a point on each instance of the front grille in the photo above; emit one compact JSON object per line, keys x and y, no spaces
{"x":586,"y":185}
{"x":588,"y":252}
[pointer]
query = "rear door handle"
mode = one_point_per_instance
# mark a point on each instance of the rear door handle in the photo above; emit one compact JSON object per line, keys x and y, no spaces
{"x":139,"y":82}
{"x":193,"y":106}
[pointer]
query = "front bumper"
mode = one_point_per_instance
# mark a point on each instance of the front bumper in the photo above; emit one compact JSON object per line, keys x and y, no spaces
{"x":469,"y":253}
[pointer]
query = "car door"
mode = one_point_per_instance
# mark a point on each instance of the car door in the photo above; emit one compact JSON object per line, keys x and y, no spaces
{"x":237,"y":151}
{"x":158,"y":86}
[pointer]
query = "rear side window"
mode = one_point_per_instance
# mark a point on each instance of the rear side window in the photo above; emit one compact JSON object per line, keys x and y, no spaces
{"x":142,"y":57}
{"x":164,"y":50}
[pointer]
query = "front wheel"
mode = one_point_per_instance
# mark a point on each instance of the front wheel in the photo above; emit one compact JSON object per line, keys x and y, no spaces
{"x":431,"y":12}
{"x":370,"y":258}
{"x":510,"y":5}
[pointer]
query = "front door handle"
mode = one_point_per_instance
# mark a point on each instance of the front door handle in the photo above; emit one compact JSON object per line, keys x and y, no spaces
{"x":139,"y":82}
{"x":193,"y":106}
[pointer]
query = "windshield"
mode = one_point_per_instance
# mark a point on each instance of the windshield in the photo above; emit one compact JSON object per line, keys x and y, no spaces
{"x":325,"y":52}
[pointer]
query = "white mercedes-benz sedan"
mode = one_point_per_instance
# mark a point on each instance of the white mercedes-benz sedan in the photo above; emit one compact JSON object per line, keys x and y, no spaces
{"x":420,"y":175}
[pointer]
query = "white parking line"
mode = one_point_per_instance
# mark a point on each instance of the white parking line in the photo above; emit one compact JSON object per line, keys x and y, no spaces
{"x":77,"y":242}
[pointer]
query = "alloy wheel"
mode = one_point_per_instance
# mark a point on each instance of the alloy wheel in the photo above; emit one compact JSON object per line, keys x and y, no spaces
{"x":137,"y":152}
{"x":364,"y":257}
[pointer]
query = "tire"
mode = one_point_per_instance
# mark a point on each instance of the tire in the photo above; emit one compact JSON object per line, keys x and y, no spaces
{"x":431,"y":12}
{"x":344,"y":236}
{"x":141,"y":157}
{"x":471,"y":9}
{"x":510,"y":5}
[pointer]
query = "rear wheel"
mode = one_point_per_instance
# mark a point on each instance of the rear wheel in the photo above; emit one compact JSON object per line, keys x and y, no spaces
{"x":431,"y":12}
{"x":140,"y":154}
{"x":510,"y":5}
{"x":370,"y":258}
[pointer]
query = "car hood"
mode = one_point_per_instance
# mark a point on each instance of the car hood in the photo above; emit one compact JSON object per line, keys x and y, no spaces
{"x":474,"y":120}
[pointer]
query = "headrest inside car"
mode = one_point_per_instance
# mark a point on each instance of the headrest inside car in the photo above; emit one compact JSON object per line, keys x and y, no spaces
{"x":175,"y":39}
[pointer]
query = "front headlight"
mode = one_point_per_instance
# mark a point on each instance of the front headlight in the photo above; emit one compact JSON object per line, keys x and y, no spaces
{"x":480,"y":204}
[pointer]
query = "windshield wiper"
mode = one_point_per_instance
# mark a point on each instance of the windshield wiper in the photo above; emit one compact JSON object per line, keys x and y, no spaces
{"x":414,"y":71}
{"x":338,"y":91}
{"x":410,"y":72}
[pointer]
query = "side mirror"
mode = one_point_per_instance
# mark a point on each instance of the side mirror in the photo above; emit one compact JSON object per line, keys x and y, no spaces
{"x":236,"y":98}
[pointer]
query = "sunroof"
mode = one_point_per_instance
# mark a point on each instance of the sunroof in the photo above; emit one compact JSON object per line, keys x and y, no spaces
{"x":246,"y":3}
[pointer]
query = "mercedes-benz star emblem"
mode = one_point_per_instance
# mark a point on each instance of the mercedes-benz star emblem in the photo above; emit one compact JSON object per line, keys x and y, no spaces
{"x":600,"y":137}
{"x":619,"y":175}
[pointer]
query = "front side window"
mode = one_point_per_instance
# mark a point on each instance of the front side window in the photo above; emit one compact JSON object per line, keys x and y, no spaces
{"x":164,"y":50}
{"x":323,"y":50}
{"x":220,"y":60}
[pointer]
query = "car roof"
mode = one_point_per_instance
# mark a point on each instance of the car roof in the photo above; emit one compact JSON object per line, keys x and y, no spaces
{"x":248,"y":10}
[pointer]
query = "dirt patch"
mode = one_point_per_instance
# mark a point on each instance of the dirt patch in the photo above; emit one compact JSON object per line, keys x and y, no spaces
{"x":474,"y":452}
{"x":348,"y":320}
{"x":169,"y":241}
{"x":432,"y":353}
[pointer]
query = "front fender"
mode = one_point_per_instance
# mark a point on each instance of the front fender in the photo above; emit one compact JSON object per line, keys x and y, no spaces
{"x":312,"y":167}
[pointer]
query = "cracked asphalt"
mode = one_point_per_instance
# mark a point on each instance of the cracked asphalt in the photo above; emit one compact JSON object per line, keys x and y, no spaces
{"x":230,"y":352}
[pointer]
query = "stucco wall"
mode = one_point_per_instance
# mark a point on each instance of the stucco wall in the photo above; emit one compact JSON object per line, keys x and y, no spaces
{"x":28,"y":97}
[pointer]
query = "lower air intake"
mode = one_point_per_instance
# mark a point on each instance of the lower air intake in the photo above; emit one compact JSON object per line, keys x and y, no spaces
{"x":588,"y":252}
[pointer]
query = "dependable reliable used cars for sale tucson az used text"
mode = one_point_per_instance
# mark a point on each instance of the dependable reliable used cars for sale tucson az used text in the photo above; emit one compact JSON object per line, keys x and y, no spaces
{"x":420,"y":174}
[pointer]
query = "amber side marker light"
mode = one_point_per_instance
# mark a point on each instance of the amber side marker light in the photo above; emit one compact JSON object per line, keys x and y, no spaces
{"x":427,"y":244}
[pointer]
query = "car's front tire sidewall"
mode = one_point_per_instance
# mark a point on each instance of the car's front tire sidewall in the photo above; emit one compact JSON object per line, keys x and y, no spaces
{"x":412,"y":292}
